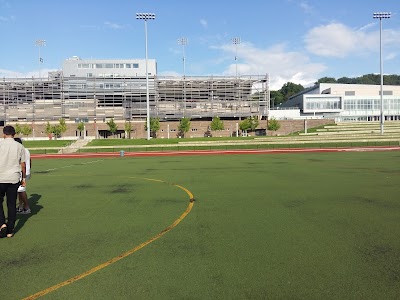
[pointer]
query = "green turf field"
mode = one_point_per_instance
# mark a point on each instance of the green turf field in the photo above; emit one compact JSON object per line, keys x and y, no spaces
{"x":265,"y":226}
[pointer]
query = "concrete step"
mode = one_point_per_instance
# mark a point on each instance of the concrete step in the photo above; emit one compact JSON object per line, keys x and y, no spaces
{"x":74,"y":147}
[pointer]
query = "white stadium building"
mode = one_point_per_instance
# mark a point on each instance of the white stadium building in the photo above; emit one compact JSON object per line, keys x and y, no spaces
{"x":100,"y":89}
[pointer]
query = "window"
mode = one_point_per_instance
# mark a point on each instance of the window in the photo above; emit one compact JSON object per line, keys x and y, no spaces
{"x":128,"y":66}
{"x":322,"y":103}
{"x":84,"y":66}
{"x":349,"y":93}
{"x":136,"y":66}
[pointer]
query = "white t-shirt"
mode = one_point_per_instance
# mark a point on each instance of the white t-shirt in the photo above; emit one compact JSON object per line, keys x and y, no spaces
{"x":28,"y":162}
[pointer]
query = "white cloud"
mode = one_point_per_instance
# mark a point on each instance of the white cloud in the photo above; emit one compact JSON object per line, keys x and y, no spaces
{"x":204,"y":23}
{"x":9,"y":73}
{"x":89,"y":27}
{"x":334,"y":40}
{"x":391,"y":56}
{"x":15,"y":74}
{"x":7,"y":19}
{"x":5,"y":4}
{"x":113,"y":25}
{"x":391,"y":38}
{"x":282,"y":65}
{"x":306,"y":7}
{"x":338,"y":40}
{"x":170,"y":74}
{"x":368,"y":26}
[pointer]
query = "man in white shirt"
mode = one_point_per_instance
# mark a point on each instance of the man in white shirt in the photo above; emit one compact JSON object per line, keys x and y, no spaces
{"x":23,"y":206}
{"x":12,"y":161}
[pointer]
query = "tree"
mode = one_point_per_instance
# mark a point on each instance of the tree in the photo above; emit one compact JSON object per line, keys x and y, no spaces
{"x":26,"y":129}
{"x":48,"y":129}
{"x":154,"y":126}
{"x":128,"y":128}
{"x":18,"y":129}
{"x":63,"y":125}
{"x":326,"y":80}
{"x":273,"y":124}
{"x":81,"y":127}
{"x":289,"y":89}
{"x":253,"y":121}
{"x":346,"y":80}
{"x":277,"y":98}
{"x":184,"y":126}
{"x":249,"y":124}
{"x":56,"y":130}
{"x":364,"y":79}
{"x":112,"y":127}
{"x":244,"y":125}
{"x":217,"y":124}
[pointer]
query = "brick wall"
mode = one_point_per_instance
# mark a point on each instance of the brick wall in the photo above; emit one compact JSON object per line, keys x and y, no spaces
{"x":197,"y":128}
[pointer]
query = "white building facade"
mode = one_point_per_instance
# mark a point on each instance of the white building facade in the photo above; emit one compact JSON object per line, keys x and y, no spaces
{"x":106,"y":68}
{"x":347,"y":102}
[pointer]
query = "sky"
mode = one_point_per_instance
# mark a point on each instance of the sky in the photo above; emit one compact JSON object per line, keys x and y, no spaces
{"x":295,"y":41}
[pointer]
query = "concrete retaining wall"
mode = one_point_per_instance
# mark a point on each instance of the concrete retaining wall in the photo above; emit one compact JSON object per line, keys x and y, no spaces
{"x":197,"y":128}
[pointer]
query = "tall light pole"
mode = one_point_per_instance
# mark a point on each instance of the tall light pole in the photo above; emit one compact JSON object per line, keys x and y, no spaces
{"x":40,"y":43}
{"x":236,"y":42}
{"x":183,"y":41}
{"x":145,"y":17}
{"x":380,"y":16}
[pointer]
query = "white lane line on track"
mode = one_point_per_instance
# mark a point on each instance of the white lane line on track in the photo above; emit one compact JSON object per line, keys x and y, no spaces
{"x":69,"y":166}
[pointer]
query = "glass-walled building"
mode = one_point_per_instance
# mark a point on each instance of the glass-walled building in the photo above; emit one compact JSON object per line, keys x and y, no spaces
{"x":348,"y":102}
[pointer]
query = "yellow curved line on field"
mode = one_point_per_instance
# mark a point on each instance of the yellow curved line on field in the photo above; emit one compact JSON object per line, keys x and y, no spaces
{"x":123,"y":255}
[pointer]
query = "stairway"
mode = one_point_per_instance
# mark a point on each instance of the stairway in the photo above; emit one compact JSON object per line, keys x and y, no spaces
{"x":75,"y":146}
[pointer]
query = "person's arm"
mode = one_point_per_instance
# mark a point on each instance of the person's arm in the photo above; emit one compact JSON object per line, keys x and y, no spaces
{"x":23,"y":170}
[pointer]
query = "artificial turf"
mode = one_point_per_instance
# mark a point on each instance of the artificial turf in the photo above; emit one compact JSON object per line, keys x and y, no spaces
{"x":264,"y":226}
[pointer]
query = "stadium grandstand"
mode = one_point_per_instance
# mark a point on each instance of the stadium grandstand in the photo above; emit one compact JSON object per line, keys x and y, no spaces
{"x":88,"y":90}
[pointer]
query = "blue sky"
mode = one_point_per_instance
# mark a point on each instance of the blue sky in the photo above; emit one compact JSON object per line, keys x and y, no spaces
{"x":292,"y":40}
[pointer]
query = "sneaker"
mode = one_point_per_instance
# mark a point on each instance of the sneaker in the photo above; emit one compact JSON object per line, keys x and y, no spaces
{"x":26,"y":211}
{"x":3,"y":231}
{"x":19,"y":210}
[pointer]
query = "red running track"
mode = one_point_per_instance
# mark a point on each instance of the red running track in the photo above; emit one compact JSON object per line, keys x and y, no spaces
{"x":215,"y":152}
